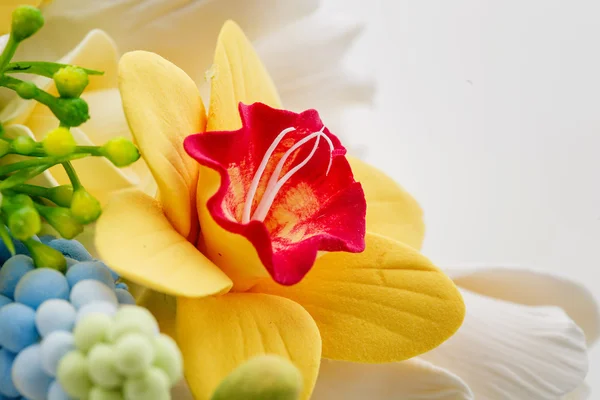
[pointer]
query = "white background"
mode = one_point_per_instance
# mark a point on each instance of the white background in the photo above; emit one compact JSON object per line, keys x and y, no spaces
{"x":489,"y":113}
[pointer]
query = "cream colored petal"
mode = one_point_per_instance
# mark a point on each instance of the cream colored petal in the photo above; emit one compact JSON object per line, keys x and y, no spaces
{"x":533,"y":288}
{"x":413,"y":379}
{"x":509,"y":351}
{"x":583,"y":392}
{"x":183,"y":31}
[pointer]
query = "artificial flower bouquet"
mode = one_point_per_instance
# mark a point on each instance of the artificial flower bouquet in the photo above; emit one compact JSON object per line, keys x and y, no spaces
{"x":254,"y":249}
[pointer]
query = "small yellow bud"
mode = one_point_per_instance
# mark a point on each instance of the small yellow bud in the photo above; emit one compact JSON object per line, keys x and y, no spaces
{"x":120,"y":151}
{"x":61,"y":195}
{"x":70,"y":81}
{"x":24,"y":222}
{"x":45,"y":256}
{"x":264,"y":377}
{"x":59,"y":142}
{"x":23,"y":145}
{"x":26,"y":21}
{"x":27,"y":90}
{"x":85,"y":207}
{"x":62,"y":220}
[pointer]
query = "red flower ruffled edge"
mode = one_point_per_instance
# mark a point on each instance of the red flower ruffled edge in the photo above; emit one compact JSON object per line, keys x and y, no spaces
{"x":320,"y":208}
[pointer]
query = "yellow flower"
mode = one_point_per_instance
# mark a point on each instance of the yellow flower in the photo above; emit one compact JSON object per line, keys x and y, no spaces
{"x":388,"y":303}
{"x":27,"y":117}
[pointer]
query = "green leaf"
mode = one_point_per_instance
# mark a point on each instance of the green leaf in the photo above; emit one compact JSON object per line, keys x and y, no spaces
{"x":42,"y":68}
{"x":5,"y":236}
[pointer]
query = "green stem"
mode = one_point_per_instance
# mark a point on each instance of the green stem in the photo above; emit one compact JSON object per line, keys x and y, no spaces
{"x":72,"y":175}
{"x":6,"y":169}
{"x":32,"y":190}
{"x":8,"y":53}
{"x":93,"y":151}
{"x":41,"y":96}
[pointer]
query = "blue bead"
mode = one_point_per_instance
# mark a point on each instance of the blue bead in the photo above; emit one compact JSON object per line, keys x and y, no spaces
{"x":95,"y":270}
{"x":12,"y":271}
{"x":40,"y":285}
{"x":28,"y":375}
{"x":4,"y":300}
{"x":72,"y":249}
{"x":122,"y":285}
{"x":53,"y":348}
{"x":114,"y":274}
{"x":124,"y":297}
{"x":89,"y":291}
{"x":17,"y":327}
{"x":6,"y":385}
{"x":55,"y":315}
{"x":56,"y":392}
{"x":47,"y":238}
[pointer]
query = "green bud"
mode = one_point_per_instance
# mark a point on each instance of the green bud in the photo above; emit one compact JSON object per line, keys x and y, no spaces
{"x":45,"y":256}
{"x":27,"y":90}
{"x":70,"y":81}
{"x":85,"y":207}
{"x":71,"y":112}
{"x":266,"y":377}
{"x":13,"y":202}
{"x":23,"y":145}
{"x":24,"y":222}
{"x":120,"y":151}
{"x":59,"y":142}
{"x":62,"y":220}
{"x":26,"y":21}
{"x":61,"y":195}
{"x":4,"y":147}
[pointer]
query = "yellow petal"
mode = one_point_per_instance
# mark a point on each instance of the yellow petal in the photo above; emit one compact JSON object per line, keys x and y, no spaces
{"x":386,"y":304}
{"x":6,"y":9}
{"x":163,"y":106}
{"x":216,"y":334}
{"x":391,"y":211}
{"x":136,"y":240}
{"x":237,"y":75}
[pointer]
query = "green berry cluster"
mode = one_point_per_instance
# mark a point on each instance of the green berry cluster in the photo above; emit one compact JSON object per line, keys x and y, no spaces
{"x":120,"y":357}
{"x":23,"y":205}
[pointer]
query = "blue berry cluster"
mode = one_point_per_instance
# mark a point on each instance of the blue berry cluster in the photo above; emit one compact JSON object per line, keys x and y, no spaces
{"x":39,"y":310}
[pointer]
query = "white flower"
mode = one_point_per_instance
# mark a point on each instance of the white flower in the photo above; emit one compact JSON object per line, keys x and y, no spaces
{"x":523,"y":338}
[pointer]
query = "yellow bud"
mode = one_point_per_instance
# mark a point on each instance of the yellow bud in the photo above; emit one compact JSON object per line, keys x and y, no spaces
{"x":70,"y":81}
{"x":23,"y":145}
{"x":85,"y":207}
{"x":45,"y":256}
{"x":26,"y":21}
{"x":59,"y":142}
{"x":24,"y":222}
{"x":61,"y":195}
{"x":120,"y":151}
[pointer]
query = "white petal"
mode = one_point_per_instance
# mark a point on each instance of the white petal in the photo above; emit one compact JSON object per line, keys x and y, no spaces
{"x":183,"y":31}
{"x":305,"y":60}
{"x":509,"y":351}
{"x":581,"y":393}
{"x":414,"y":379}
{"x":534,"y":288}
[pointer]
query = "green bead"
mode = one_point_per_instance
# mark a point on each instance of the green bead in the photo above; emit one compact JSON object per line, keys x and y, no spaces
{"x":45,"y":256}
{"x":134,"y":354}
{"x":26,"y":21}
{"x":99,"y":393}
{"x":120,"y":151}
{"x":91,"y":330}
{"x":133,"y":319}
{"x":59,"y":142}
{"x":27,"y":90}
{"x":24,"y":222}
{"x":168,"y":358}
{"x":153,"y":384}
{"x":71,"y":112}
{"x":102,"y":367}
{"x":23,"y":145}
{"x":61,"y":195}
{"x":70,"y":81}
{"x":265,"y":377}
{"x":72,"y":374}
{"x":85,"y":207}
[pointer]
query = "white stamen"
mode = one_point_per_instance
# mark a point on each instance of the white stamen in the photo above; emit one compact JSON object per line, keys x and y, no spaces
{"x":275,"y":184}
{"x":259,"y":173}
